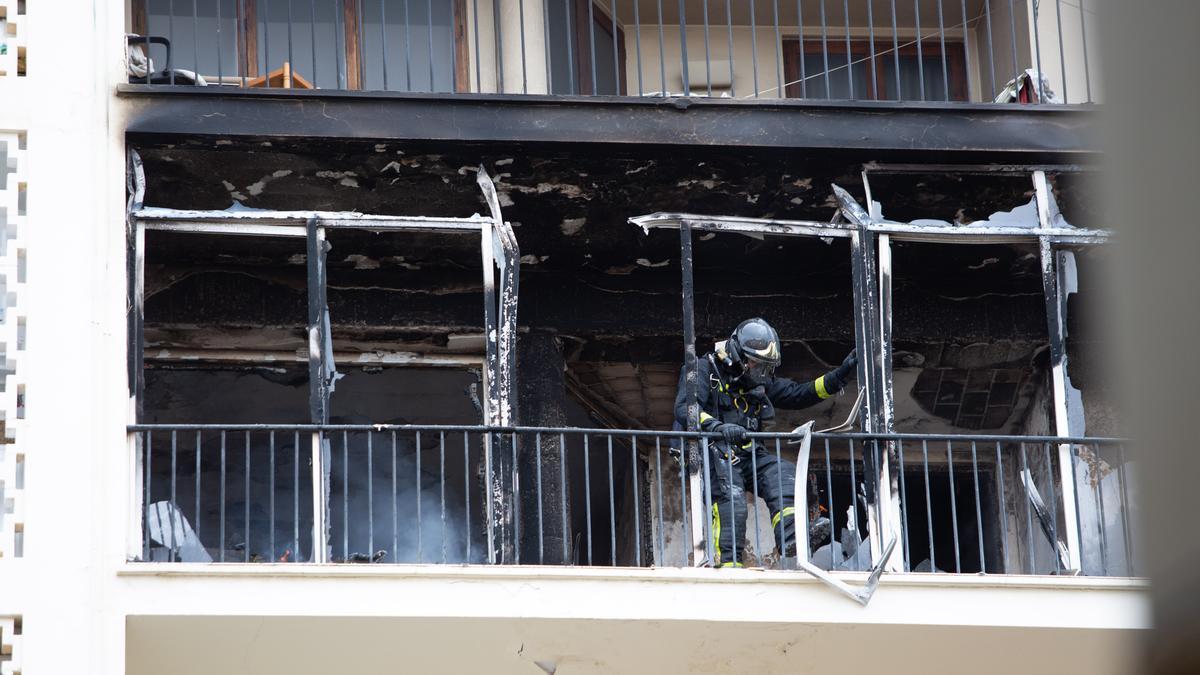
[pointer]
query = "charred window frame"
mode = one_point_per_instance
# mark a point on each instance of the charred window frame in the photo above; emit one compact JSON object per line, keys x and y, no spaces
{"x":870,"y":237}
{"x":501,"y":267}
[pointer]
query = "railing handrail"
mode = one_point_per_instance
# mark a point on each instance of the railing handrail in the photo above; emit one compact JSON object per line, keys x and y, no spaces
{"x":653,"y":433}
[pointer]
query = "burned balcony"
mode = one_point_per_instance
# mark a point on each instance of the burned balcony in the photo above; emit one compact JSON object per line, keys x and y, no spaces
{"x":862,"y":50}
{"x":325,"y":386}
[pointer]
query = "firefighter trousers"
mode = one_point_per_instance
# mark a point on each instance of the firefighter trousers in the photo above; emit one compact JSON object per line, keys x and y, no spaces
{"x":769,"y":477}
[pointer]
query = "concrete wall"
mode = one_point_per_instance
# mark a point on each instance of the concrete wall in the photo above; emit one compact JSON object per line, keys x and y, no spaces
{"x":1072,"y":64}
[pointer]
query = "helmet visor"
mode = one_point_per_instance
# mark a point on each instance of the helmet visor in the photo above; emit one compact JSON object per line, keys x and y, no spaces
{"x":759,"y":371}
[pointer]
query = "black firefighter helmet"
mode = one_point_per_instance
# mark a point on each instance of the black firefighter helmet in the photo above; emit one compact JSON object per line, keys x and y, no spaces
{"x":752,"y":353}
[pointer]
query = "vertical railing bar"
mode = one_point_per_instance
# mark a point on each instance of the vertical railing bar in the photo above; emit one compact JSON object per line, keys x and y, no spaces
{"x":360,"y":35}
{"x":524,"y":64}
{"x":966,"y":29}
{"x":291,"y":58}
{"x":683,"y":52}
{"x":659,"y":555}
{"x":296,"y":496}
{"x":467,"y":497}
{"x":429,"y":44}
{"x":266,"y":22}
{"x":854,"y":490}
{"x":942,"y":39}
{"x":196,"y":519}
{"x":782,"y":520}
{"x":733,"y":519}
{"x":383,"y":51}
{"x":370,"y":495}
{"x":683,"y":501}
{"x":396,"y":503}
{"x":1087,"y":68}
{"x":1012,"y":21}
{"x":778,"y":49}
{"x":709,"y":545}
{"x":850,"y":80}
{"x":237,"y":47}
{"x":637,"y":504}
{"x":148,"y":442}
{"x":987,"y":13}
{"x":662,"y":55}
{"x":498,"y":29}
{"x":920,"y":52}
{"x":903,"y":506}
{"x":803,"y":68}
{"x":753,"y":44}
{"x":587,"y":494}
{"x":549,"y":56}
{"x":562,"y":491}
{"x":170,"y":33}
{"x":345,"y":496}
{"x":592,"y":42}
{"x":707,"y":51}
{"x":1062,"y":56}
{"x":395,"y":509}
{"x":221,"y":502}
{"x":271,"y":495}
{"x":978,"y":507}
{"x":1037,"y":54}
{"x":171,"y":512}
{"x":829,"y":496}
{"x":571,"y":50}
{"x":537,"y":442}
{"x":1126,"y":533}
{"x":442,"y":481}
{"x":1003,"y":511}
{"x":1053,"y":506}
{"x":516,"y":503}
{"x":195,"y":39}
{"x":758,"y":551}
{"x":1028,"y":511}
{"x":612,"y":506}
{"x":637,"y":27}
{"x":1102,"y":524}
{"x":896,"y":57}
{"x":871,"y":47}
{"x":616,"y":57}
{"x":408,"y":85}
{"x":246,"y":505}
{"x":953,"y":507}
{"x":729,"y":25}
{"x":150,"y":71}
{"x":478,"y":53}
{"x":312,"y":34}
{"x":928,"y":506}
{"x":338,"y":31}
{"x":825,"y":50}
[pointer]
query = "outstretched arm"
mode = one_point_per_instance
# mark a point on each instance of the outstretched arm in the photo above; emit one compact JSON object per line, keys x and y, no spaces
{"x":790,"y":394}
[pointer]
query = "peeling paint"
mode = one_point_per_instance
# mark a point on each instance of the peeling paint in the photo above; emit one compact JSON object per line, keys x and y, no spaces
{"x":504,"y":162}
{"x":362,"y":262}
{"x":646,"y":263}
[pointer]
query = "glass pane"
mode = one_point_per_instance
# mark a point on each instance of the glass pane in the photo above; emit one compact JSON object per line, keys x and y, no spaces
{"x":306,"y":35}
{"x":912,"y":70}
{"x":408,"y":45}
{"x":839,"y":76}
{"x":200,"y":42}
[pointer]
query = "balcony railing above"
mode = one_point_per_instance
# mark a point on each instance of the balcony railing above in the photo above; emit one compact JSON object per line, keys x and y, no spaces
{"x":864,"y":50}
{"x":592,"y":497}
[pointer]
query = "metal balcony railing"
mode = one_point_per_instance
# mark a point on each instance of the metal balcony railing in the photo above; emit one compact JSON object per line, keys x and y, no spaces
{"x":864,"y":50}
{"x":593,"y":497}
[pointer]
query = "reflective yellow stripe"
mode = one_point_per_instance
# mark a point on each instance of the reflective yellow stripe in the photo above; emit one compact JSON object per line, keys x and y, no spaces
{"x":717,"y":532}
{"x":819,"y":383}
{"x":732,"y":564}
{"x":787,"y":511}
{"x":704,"y":417}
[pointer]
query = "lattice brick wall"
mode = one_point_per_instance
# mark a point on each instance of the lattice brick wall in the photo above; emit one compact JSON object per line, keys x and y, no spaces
{"x":12,"y":341}
{"x":12,"y":38}
{"x":10,"y":645}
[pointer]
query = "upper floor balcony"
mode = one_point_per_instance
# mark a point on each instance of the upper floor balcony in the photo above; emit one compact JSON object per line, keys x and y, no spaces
{"x":863,"y":50}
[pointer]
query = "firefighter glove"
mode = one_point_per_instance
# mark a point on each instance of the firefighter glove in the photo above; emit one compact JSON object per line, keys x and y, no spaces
{"x":846,"y":371}
{"x":734,"y":435}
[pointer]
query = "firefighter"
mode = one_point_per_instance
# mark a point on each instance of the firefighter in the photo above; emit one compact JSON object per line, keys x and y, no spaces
{"x":737,"y":391}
